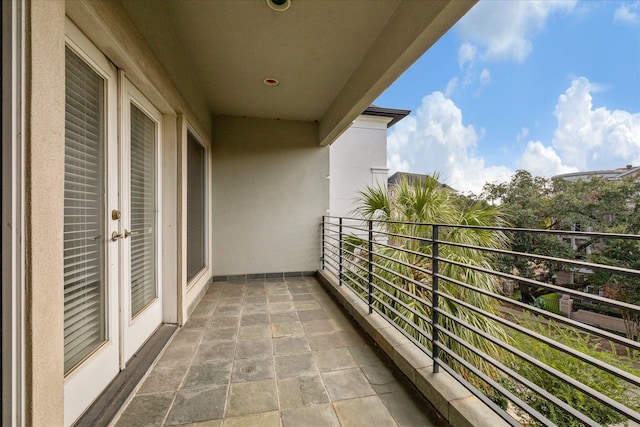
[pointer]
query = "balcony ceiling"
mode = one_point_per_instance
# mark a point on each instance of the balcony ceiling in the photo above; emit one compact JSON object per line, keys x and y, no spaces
{"x":331,"y":57}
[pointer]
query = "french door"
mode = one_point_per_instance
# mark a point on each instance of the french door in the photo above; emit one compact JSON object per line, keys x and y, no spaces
{"x":112,"y":297}
{"x":141,"y":293}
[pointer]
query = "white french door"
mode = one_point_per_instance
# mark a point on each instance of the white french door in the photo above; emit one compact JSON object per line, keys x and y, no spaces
{"x":140,"y":290}
{"x":112,"y":294}
{"x":91,"y":258}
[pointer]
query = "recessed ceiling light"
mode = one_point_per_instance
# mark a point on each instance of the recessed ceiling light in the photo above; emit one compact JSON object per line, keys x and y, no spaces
{"x":271,"y":82}
{"x":279,"y":5}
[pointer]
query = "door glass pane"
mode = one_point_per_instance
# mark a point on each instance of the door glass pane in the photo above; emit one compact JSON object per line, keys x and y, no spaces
{"x":143,"y":210}
{"x":195,"y":207}
{"x":84,"y":226}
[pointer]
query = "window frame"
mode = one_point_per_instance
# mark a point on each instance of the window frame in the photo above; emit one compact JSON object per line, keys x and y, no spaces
{"x":206,"y":226}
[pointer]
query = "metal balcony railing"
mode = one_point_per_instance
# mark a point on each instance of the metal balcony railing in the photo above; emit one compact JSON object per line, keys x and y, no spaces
{"x":531,"y":362}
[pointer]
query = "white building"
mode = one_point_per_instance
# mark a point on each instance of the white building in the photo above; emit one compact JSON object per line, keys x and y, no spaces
{"x":358,"y":158}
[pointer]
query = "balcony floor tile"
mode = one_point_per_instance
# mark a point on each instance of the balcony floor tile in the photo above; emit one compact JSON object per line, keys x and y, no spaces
{"x":275,"y":352}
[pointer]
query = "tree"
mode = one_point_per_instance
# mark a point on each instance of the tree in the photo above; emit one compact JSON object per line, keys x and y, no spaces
{"x":597,"y":204}
{"x":621,"y":287}
{"x":405,"y":261}
{"x":612,"y":206}
{"x":527,"y":202}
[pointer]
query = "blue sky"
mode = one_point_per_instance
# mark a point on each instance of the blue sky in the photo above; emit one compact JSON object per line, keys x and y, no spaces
{"x":551,"y":87}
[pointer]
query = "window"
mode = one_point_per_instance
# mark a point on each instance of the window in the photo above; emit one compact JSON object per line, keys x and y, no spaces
{"x":84,"y":197}
{"x":143,"y":209}
{"x":196,"y":207}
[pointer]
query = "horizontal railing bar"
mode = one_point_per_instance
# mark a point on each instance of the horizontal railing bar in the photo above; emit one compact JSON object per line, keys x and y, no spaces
{"x":405,"y":333}
{"x":604,"y":300}
{"x":402,"y":276}
{"x":405,"y":292}
{"x":548,"y":369}
{"x":548,"y":314}
{"x":353,"y":281}
{"x":533,"y":282}
{"x":576,"y":263}
{"x":488,"y":380}
{"x":411,"y":323}
{"x":405,"y":264}
{"x":509,"y":229}
{"x":400,"y":289}
{"x":552,"y":343}
{"x":522,"y":380}
{"x":420,"y":315}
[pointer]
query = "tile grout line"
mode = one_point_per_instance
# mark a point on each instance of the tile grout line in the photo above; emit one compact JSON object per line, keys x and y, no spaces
{"x":190,"y":364}
{"x":273,"y":358}
{"x":228,"y":392}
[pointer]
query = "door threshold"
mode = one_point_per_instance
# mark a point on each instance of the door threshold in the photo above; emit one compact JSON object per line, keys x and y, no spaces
{"x":104,"y":409}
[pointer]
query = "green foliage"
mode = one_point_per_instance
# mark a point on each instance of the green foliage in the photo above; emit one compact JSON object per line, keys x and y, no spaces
{"x":621,"y":287}
{"x":593,"y":377}
{"x":427,"y":202}
{"x":525,"y":202}
{"x":597,"y":204}
{"x":528,"y":203}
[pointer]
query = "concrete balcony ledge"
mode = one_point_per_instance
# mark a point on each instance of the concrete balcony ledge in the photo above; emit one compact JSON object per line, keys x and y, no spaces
{"x":451,"y":399}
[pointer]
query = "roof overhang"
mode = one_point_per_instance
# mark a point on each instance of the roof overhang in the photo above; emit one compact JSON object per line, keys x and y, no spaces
{"x":393,"y":113}
{"x":332,"y":58}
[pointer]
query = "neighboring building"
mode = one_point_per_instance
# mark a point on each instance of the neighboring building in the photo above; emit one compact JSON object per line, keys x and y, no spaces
{"x":358,"y":158}
{"x":619,"y":173}
{"x":151,"y":147}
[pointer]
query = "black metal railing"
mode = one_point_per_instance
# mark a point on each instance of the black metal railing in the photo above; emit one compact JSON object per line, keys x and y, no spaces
{"x":531,"y":364}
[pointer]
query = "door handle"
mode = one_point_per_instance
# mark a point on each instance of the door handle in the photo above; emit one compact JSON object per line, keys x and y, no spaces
{"x":115,"y":236}
{"x":128,"y":233}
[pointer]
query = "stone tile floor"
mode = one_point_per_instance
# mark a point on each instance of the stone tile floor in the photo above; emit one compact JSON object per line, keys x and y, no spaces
{"x":273,"y":353}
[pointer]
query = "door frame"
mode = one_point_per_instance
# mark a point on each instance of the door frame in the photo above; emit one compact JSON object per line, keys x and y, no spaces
{"x":12,"y":278}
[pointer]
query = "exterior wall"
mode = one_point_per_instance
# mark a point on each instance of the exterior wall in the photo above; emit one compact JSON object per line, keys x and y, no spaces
{"x":358,"y":159}
{"x":270,"y":190}
{"x":44,"y":213}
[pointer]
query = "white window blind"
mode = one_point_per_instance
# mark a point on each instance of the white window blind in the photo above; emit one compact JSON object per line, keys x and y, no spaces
{"x":196,"y":206}
{"x":84,"y":194}
{"x":143,"y":210}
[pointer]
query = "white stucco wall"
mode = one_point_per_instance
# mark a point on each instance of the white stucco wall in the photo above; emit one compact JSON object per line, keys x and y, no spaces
{"x":358,"y":159}
{"x":270,"y":190}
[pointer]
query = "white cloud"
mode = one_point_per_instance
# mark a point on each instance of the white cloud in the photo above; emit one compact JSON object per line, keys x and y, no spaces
{"x":485,"y":77}
{"x":452,"y":86}
{"x":467,"y":53}
{"x":542,"y":161}
{"x":627,"y":13}
{"x":594,"y":138}
{"x":505,"y":29}
{"x":524,"y":132}
{"x":434,"y":139}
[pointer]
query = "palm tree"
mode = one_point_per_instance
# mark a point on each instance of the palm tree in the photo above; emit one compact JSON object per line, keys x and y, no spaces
{"x":406,"y":262}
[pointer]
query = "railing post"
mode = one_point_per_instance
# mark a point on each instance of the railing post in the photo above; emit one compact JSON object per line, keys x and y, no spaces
{"x":434,"y":299}
{"x":370,"y":266}
{"x":340,"y":251}
{"x":322,"y":239}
